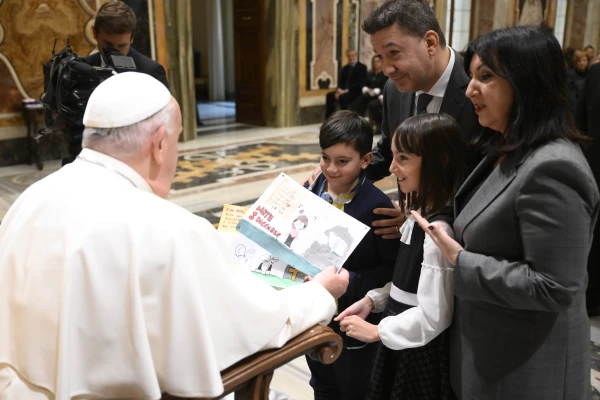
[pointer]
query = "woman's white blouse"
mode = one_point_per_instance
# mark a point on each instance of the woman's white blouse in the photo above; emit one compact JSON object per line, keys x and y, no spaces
{"x":434,"y":300}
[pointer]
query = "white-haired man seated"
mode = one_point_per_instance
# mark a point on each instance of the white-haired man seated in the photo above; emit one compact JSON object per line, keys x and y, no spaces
{"x":107,"y":290}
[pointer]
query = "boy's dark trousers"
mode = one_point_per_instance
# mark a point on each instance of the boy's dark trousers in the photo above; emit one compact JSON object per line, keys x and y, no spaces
{"x":347,"y":378}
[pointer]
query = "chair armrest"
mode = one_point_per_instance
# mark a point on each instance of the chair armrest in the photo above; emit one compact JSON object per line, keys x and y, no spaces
{"x":252,"y":375}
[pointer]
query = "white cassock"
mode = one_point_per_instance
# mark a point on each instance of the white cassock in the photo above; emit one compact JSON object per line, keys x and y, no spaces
{"x":108,"y":290}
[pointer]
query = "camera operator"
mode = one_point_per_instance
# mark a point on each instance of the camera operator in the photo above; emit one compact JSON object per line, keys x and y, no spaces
{"x":114,"y":30}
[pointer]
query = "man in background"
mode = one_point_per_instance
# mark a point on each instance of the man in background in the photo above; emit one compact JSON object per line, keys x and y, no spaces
{"x":114,"y":30}
{"x":350,"y":82}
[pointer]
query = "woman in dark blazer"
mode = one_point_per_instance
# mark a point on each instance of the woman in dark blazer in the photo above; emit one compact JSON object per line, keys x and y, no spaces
{"x":524,"y":226}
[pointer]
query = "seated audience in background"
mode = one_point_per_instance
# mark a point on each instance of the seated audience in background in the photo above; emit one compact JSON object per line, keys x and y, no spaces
{"x":588,"y":121}
{"x":372,"y":93}
{"x":346,"y":140}
{"x":568,"y":54}
{"x":350,"y":82}
{"x":594,"y":61}
{"x":109,"y":291}
{"x":576,"y":77}
{"x":590,"y":52}
{"x":524,"y":223}
{"x":418,"y":302}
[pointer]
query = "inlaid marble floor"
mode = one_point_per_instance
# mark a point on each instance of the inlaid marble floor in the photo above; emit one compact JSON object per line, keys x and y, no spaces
{"x":234,"y":164}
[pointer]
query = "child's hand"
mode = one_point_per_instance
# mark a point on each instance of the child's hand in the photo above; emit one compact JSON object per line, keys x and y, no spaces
{"x":361,"y":308}
{"x":360,"y":329}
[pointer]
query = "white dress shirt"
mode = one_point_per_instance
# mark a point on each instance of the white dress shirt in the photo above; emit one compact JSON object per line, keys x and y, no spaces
{"x":433,"y":303}
{"x":439,"y":89}
{"x":108,"y":291}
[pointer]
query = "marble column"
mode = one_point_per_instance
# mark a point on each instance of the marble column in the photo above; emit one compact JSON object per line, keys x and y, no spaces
{"x":592,"y":25}
{"x":216,"y":65}
{"x":282,"y":63}
{"x":178,"y":16}
{"x":577,"y":15}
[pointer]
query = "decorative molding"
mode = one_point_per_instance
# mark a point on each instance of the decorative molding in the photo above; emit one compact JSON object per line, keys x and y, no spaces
{"x":15,"y":76}
{"x":87,"y":9}
{"x":151,"y":29}
{"x":13,"y":132}
{"x":314,"y":81}
{"x":356,"y":5}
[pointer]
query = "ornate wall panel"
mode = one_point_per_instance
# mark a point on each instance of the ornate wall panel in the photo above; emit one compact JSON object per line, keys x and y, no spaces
{"x":534,"y":12}
{"x":482,"y":17}
{"x":576,"y":23}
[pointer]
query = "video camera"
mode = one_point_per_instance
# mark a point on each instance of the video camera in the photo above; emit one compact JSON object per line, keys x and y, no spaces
{"x":69,"y":81}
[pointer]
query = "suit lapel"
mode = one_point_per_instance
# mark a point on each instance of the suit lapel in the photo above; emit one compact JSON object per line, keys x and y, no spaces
{"x":495,"y":184}
{"x":406,"y":108}
{"x":454,"y":98}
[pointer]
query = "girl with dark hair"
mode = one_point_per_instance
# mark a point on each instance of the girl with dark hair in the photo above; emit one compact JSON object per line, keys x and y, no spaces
{"x":523,"y":228}
{"x":412,"y":359}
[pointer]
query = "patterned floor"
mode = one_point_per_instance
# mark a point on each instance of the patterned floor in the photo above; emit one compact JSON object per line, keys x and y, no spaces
{"x":234,"y":164}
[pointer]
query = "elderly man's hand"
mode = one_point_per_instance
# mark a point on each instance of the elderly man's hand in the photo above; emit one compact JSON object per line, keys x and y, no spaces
{"x":335,"y":284}
{"x":389,"y":228}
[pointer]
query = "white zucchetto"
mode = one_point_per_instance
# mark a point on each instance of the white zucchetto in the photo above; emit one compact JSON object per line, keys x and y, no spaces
{"x":125,"y":99}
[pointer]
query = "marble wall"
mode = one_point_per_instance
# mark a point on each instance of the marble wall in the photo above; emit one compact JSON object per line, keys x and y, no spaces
{"x":577,"y":16}
{"x":482,"y":17}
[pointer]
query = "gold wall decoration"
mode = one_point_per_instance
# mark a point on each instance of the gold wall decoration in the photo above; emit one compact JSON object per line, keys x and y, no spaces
{"x":534,"y":12}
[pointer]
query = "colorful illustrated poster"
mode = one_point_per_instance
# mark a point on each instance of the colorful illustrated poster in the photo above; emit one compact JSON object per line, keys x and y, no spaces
{"x":253,"y":257}
{"x":301,"y":229}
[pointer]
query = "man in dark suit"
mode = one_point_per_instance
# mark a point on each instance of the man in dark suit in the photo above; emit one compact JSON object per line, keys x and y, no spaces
{"x":350,"y":82}
{"x":424,"y":75}
{"x":588,"y":121}
{"x":114,"y":30}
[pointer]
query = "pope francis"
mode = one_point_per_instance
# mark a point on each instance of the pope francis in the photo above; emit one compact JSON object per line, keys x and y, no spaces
{"x":107,"y":290}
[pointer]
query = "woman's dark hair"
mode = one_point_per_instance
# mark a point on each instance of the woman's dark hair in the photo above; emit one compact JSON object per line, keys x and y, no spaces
{"x":347,"y":127}
{"x":531,"y":60}
{"x":415,"y":17}
{"x":436,"y":139}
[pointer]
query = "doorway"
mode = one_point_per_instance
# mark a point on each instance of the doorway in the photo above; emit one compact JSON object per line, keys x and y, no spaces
{"x":229,"y":62}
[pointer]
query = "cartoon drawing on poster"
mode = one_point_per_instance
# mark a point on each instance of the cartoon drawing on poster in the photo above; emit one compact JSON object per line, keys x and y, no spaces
{"x":298,"y":227}
{"x":293,"y":274}
{"x":330,"y":250}
{"x":245,"y":256}
{"x":266,"y":263}
{"x":251,"y":256}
